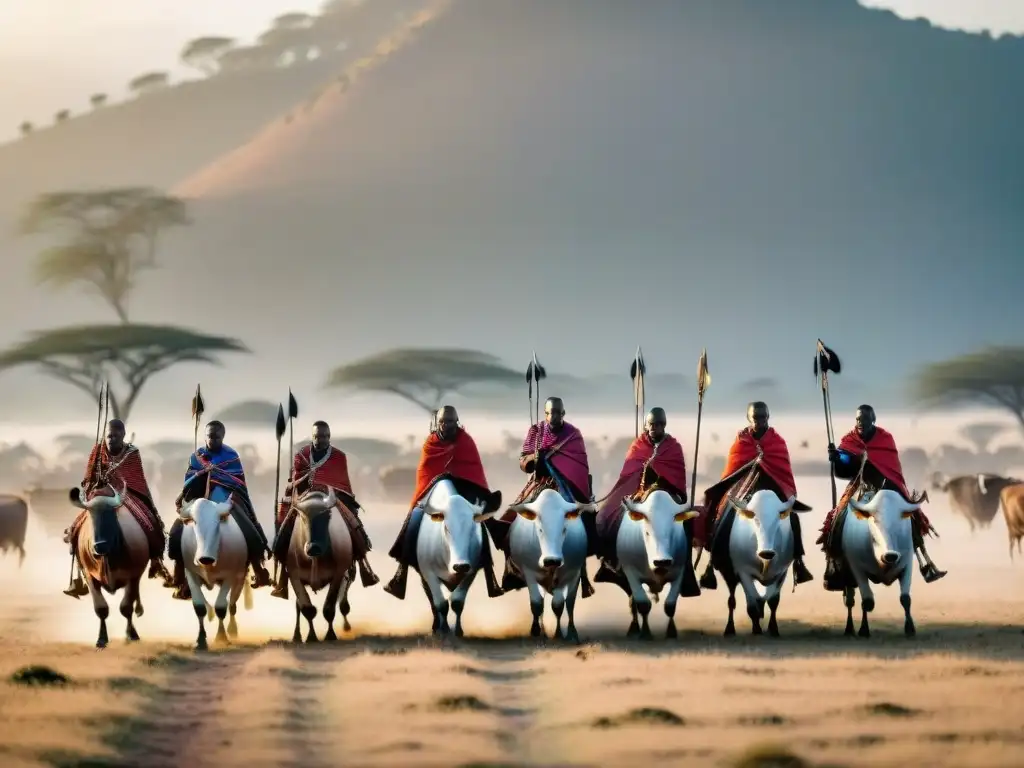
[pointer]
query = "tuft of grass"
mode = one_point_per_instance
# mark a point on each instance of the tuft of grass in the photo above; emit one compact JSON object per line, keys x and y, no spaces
{"x":769,"y":756}
{"x":641,"y":716}
{"x":166,"y":659}
{"x":40,"y":676}
{"x":462,"y":703}
{"x":770,"y":719}
{"x":888,"y":709}
{"x":133,"y":685}
{"x":65,"y":758}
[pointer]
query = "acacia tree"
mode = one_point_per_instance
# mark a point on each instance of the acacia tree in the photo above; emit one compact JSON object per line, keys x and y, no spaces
{"x":150,"y":81}
{"x":97,"y":100}
{"x":125,"y":355}
{"x":62,"y":116}
{"x":26,"y":128}
{"x":293,"y":20}
{"x":110,"y":237}
{"x":203,"y":53}
{"x":981,"y":434}
{"x":993,"y":376}
{"x":423,"y":376}
{"x":252,"y":412}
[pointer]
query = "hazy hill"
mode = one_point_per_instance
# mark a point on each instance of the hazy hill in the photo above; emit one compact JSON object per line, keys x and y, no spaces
{"x":578,"y":176}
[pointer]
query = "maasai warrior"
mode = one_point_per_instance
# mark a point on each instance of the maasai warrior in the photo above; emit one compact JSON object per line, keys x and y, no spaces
{"x":774,"y":472}
{"x":119,"y":464}
{"x":874,"y":447}
{"x":654,"y":461}
{"x":448,"y":453}
{"x":320,"y":466}
{"x":215,"y":472}
{"x":556,"y":455}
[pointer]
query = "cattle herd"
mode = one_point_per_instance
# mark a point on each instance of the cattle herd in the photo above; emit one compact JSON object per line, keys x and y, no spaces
{"x":548,"y":545}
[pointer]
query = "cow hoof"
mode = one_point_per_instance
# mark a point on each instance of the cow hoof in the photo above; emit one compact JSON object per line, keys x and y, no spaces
{"x":572,"y":636}
{"x":459,"y":632}
{"x":646,"y":634}
{"x":201,"y":646}
{"x":730,"y":630}
{"x":773,"y":630}
{"x":671,"y":633}
{"x":330,"y":637}
{"x":345,"y":625}
{"x":864,"y":632}
{"x":634,"y":630}
{"x":101,"y":643}
{"x":909,"y":630}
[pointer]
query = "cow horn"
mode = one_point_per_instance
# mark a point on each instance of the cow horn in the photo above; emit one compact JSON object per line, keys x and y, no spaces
{"x":738,"y":503}
{"x":789,"y":502}
{"x":522,"y":508}
{"x":117,"y":500}
{"x":75,"y":496}
{"x":629,"y":504}
{"x":857,"y":505}
{"x":332,"y":498}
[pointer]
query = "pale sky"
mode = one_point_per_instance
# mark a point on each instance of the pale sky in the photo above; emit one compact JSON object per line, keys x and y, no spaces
{"x":55,"y":53}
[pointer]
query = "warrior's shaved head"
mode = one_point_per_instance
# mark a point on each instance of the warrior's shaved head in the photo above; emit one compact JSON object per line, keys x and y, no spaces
{"x":115,"y":436}
{"x":215,"y":435}
{"x":321,"y":436}
{"x":554,"y":412}
{"x":757,"y":417}
{"x":865,"y":421}
{"x":656,"y":423}
{"x":447,"y":422}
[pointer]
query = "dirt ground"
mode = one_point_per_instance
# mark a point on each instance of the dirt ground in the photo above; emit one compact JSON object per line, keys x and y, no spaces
{"x":386,"y":695}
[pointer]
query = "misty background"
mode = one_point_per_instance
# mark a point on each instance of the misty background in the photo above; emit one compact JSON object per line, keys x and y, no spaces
{"x":567,"y":177}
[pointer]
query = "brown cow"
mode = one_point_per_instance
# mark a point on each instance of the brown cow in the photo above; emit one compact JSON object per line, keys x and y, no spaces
{"x":13,"y":522}
{"x":974,"y":497}
{"x":1013,"y":510}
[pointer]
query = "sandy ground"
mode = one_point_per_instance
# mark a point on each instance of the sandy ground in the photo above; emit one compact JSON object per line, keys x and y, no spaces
{"x":386,"y":695}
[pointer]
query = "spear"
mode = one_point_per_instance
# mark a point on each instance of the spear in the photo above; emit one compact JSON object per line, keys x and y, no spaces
{"x":198,"y":407}
{"x":277,"y":477}
{"x":637,"y":371}
{"x":99,"y":432}
{"x":703,"y":382}
{"x":534,"y":373}
{"x":293,"y":413}
{"x":826,"y":360}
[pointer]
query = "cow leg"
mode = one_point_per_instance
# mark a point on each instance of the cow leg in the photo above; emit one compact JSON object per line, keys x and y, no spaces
{"x":330,"y":609}
{"x":671,"y":600}
{"x":730,"y":625}
{"x":641,"y":602}
{"x":305,"y":607}
{"x":343,"y":604}
{"x":908,"y":621}
{"x":436,"y":624}
{"x":458,"y":600}
{"x":571,"y":634}
{"x":99,"y":605}
{"x":536,"y":604}
{"x":220,"y":609}
{"x":558,"y":608}
{"x":755,"y":603}
{"x":199,"y":606}
{"x":131,"y":595}
{"x":772,"y":597}
{"x":867,"y":604}
{"x":438,"y":603}
{"x":849,"y":598}
{"x":236,"y":592}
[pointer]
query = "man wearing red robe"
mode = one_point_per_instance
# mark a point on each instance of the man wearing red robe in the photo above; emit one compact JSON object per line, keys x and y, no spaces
{"x":760,"y":442}
{"x":875,"y":448}
{"x":554,"y":454}
{"x":119,"y":464}
{"x":448,"y":453}
{"x":654,"y":461}
{"x":320,"y":466}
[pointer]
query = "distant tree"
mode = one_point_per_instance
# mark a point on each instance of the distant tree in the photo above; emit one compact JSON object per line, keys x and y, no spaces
{"x":250,"y":412}
{"x":980,"y":434}
{"x":286,"y":41}
{"x":111,"y":237}
{"x":97,"y":100}
{"x":993,"y":376}
{"x":245,"y":57}
{"x":293,"y":20}
{"x":74,"y":445}
{"x":127,"y":355}
{"x":148,"y":82}
{"x":203,"y":53}
{"x":423,"y":376}
{"x":62,"y":116}
{"x":26,"y":128}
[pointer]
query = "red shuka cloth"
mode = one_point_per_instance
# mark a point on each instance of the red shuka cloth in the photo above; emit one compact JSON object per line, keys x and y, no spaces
{"x":668,"y":463}
{"x":124,"y":470}
{"x":775,"y":462}
{"x":568,"y":453}
{"x":882,"y":454}
{"x":330,"y":472}
{"x":458,"y":458}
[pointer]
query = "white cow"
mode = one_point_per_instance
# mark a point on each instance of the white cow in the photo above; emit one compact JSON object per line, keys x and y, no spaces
{"x":760,"y":552}
{"x":651,"y":548}
{"x":449,"y":545}
{"x":878,"y":547}
{"x":215,"y":553}
{"x":548,"y":543}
